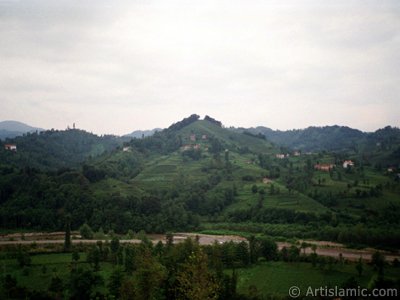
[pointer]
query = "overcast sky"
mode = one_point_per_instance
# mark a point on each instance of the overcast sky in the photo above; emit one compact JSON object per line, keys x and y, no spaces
{"x":117,"y":66}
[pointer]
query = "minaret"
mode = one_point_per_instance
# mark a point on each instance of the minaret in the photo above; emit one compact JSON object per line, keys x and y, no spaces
{"x":73,"y":126}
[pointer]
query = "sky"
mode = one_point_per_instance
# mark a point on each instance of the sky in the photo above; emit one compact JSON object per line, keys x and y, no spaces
{"x":117,"y":66}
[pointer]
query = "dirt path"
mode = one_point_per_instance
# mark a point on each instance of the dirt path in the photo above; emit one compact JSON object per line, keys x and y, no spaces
{"x":324,"y":248}
{"x":335,"y":249}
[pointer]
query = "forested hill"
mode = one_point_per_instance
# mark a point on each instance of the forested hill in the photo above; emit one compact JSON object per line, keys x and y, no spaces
{"x":329,"y":138}
{"x":198,"y":173}
{"x":54,"y":149}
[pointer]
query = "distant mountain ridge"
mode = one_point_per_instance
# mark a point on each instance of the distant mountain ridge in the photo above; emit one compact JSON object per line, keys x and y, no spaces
{"x":142,"y":133}
{"x":11,"y":129}
{"x":314,"y":138}
{"x":380,"y":147}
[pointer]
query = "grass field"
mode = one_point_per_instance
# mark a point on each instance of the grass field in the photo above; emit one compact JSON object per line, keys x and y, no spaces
{"x":296,"y":201}
{"x":44,"y":267}
{"x":275,"y":278}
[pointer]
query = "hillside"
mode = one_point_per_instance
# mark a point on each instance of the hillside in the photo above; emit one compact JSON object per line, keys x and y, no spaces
{"x":331,"y":138}
{"x":195,"y":175}
{"x":53,"y":149}
{"x":380,"y":148}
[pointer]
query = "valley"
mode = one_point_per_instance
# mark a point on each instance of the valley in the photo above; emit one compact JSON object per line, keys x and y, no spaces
{"x":242,"y":203}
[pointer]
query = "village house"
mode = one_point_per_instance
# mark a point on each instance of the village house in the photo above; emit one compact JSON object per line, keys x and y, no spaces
{"x":296,"y":153}
{"x":10,"y":147}
{"x":280,"y":156}
{"x":193,"y":137}
{"x":390,"y":169}
{"x":204,"y":137}
{"x":126,"y":149}
{"x":348,"y":163}
{"x":196,"y":147}
{"x":186,"y":147}
{"x":266,"y":180}
{"x":323,"y":167}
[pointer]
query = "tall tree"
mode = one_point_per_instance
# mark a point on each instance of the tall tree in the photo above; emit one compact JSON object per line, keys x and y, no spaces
{"x":67,"y":238}
{"x":195,"y":282}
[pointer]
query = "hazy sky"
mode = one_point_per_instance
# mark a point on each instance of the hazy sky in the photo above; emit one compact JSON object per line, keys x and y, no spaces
{"x":116,"y":66}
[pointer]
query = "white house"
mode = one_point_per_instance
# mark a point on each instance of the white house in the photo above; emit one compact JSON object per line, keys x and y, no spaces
{"x":10,"y":147}
{"x":348,"y":163}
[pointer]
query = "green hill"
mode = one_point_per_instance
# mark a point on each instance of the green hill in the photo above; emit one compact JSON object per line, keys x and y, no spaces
{"x":197,"y":174}
{"x":53,"y":149}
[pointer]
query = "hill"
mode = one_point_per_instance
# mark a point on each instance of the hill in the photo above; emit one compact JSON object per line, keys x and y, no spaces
{"x":54,"y":149}
{"x":142,"y":133}
{"x":197,"y":174}
{"x":11,"y":129}
{"x":380,"y":148}
{"x":330,"y":138}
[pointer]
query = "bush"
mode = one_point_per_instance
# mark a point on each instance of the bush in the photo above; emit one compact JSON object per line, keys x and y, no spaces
{"x":86,"y":232}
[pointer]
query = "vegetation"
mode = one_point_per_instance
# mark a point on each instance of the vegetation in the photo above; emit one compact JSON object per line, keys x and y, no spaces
{"x":197,"y":175}
{"x":245,"y":270}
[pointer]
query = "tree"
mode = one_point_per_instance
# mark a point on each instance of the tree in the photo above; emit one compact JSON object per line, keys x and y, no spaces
{"x":127,"y":290}
{"x":67,"y":238}
{"x":294,"y":253}
{"x":115,"y":282}
{"x":23,"y":258}
{"x":129,"y":259}
{"x":359,"y":267}
{"x":93,"y":257}
{"x":254,"y":189}
{"x":56,"y":287}
{"x":268,"y":248}
{"x":75,"y":255}
{"x":148,"y":277}
{"x":304,"y":246}
{"x":195,"y":282}
{"x":253,"y":249}
{"x":10,"y":286}
{"x":82,"y":284}
{"x":378,"y":261}
{"x":242,"y":253}
{"x":169,"y":237}
{"x":284,"y":254}
{"x":114,"y":245}
{"x":314,"y":248}
{"x":86,"y":232}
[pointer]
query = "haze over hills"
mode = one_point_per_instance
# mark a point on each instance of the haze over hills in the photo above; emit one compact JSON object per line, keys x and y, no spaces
{"x":383,"y":142}
{"x":142,"y":133}
{"x":11,"y":129}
